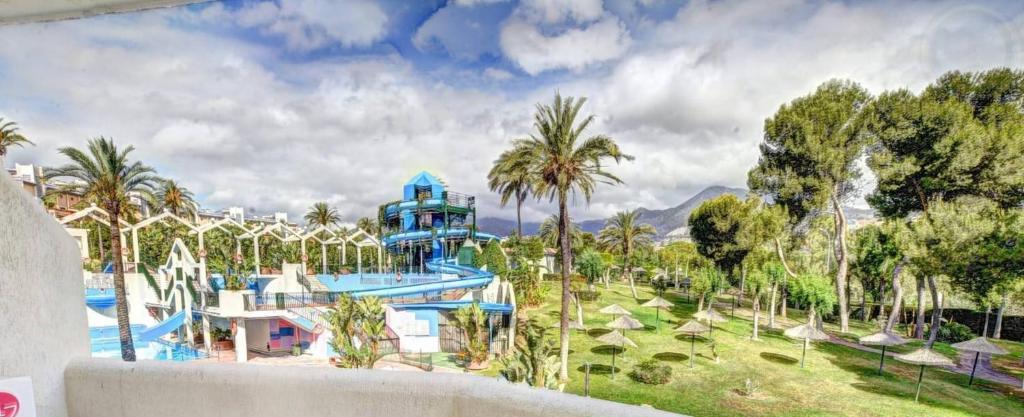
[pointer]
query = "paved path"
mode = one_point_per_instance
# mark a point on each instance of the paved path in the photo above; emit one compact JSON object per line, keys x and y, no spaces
{"x":966,"y":359}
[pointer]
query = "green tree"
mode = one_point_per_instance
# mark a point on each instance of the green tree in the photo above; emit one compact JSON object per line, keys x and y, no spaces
{"x":958,"y":138}
{"x":106,"y":175}
{"x":808,"y":162}
{"x":511,"y":177}
{"x":533,"y":361}
{"x":473,"y":322}
{"x":623,"y":234}
{"x":322,"y":214}
{"x":9,"y":138}
{"x":716,"y":226}
{"x":591,"y":265}
{"x":815,"y":293}
{"x":369,"y":225}
{"x":876,"y":254}
{"x":564,"y":164}
{"x":707,"y":282}
{"x":757,"y":283}
{"x":175,"y":198}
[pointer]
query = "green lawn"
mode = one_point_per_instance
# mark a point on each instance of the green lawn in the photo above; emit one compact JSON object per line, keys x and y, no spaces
{"x":838,"y":381}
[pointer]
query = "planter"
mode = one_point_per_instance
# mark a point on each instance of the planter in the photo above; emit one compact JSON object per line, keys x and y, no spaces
{"x":296,"y":350}
{"x":478,"y":366}
{"x":224,"y":345}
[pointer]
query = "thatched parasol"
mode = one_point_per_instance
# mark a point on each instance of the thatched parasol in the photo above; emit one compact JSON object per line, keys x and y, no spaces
{"x":978,"y":345}
{"x":807,"y":332}
{"x":711,"y":316}
{"x":625,"y":323}
{"x":692,"y":328}
{"x":657,"y":303}
{"x":614,"y":309}
{"x":883,"y":339}
{"x":615,"y":338}
{"x":923,"y":357}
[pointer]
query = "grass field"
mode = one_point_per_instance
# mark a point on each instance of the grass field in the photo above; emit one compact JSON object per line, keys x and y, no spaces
{"x":838,"y":381}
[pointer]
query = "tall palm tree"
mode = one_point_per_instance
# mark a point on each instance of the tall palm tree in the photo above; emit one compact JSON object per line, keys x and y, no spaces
{"x":511,"y":178}
{"x":9,"y":138}
{"x":321,"y":214}
{"x":105,"y":174}
{"x":564,"y":164}
{"x":175,"y":198}
{"x":623,"y":234}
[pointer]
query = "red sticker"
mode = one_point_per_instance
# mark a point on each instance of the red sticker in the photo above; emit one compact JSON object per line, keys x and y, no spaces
{"x":9,"y":405}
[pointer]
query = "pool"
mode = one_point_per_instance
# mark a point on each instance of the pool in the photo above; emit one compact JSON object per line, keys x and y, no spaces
{"x":106,"y":344}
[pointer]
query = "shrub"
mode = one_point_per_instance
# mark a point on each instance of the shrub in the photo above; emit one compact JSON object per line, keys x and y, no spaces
{"x":651,"y":372}
{"x":750,"y":387}
{"x":954,"y":332}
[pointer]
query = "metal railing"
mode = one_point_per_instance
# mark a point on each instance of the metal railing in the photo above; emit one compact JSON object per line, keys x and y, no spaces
{"x":284,"y":301}
{"x":212,"y":299}
{"x":100,"y":281}
{"x":459,"y":199}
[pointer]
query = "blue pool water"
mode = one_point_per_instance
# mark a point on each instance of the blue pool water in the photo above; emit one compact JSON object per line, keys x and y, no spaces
{"x":105,"y":344}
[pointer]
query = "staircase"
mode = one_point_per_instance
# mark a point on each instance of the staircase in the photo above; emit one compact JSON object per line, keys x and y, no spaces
{"x":312,"y":285}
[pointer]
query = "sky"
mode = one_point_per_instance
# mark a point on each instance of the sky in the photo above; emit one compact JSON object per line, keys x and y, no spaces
{"x":276,"y":105}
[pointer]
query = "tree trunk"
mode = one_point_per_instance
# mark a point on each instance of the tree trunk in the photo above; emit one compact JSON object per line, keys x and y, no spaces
{"x":519,"y":215}
{"x":998,"y":332}
{"x":124,"y":328}
{"x":881,"y":300}
{"x":782,"y":258}
{"x":783,"y":309}
{"x":757,"y":312}
{"x":919,"y":317}
{"x":771,"y":305}
{"x":984,"y":330}
{"x":842,"y":265}
{"x":897,"y":295}
{"x":700,"y":304}
{"x":632,"y":285}
{"x":936,"y":311}
{"x":743,"y":280}
{"x":579,"y":310}
{"x":563,"y":235}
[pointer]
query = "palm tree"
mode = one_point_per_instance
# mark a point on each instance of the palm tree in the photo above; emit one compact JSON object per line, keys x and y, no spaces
{"x":563,"y":163}
{"x":105,"y":174}
{"x":623,"y":234}
{"x":9,"y":138}
{"x":548,"y":231}
{"x":175,"y":198}
{"x":321,"y":214}
{"x":369,"y":225}
{"x":511,"y":178}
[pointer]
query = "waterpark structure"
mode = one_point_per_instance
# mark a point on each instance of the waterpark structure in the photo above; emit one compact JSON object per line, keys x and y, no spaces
{"x":424,"y":272}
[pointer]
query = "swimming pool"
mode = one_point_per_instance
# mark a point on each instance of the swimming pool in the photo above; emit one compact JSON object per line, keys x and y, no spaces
{"x":106,"y":344}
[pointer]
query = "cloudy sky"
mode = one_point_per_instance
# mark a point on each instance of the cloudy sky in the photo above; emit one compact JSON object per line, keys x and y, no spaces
{"x":276,"y":105}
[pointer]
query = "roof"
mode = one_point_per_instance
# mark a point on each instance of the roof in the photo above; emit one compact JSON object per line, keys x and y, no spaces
{"x":424,"y":179}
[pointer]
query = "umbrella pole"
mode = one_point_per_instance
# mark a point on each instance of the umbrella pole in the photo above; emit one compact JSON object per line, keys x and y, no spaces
{"x":657,"y":320}
{"x":920,"y":376}
{"x":692,"y":338}
{"x":882,"y":362}
{"x":803,"y":354}
{"x":973,"y":368}
{"x":614,"y":351}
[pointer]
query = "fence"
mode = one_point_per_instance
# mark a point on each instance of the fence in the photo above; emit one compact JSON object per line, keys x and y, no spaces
{"x":452,"y":338}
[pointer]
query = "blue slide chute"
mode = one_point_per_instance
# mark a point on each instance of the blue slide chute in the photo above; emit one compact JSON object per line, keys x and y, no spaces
{"x":172,"y":323}
{"x":468,"y":278}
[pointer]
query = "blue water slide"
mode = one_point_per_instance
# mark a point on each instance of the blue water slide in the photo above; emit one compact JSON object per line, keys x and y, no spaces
{"x":454,"y":305}
{"x":97,"y":298}
{"x":468,"y":278}
{"x":172,"y":323}
{"x":427,"y":234}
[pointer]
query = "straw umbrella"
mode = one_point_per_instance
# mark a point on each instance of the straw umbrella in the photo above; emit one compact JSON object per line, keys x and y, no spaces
{"x":807,"y":332}
{"x":923,"y":357}
{"x":883,"y":339}
{"x":711,"y":316}
{"x":978,"y":345}
{"x":615,"y":310}
{"x":657,"y":303}
{"x":692,"y":328}
{"x":615,"y":338}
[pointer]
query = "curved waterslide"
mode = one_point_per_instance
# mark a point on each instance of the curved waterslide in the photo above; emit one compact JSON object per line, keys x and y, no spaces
{"x":99,"y":299}
{"x":429,"y":235}
{"x":469,"y":277}
{"x":172,"y":323}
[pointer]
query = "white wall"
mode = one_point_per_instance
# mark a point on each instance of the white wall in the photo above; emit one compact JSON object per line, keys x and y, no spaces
{"x":42,"y":299}
{"x":110,"y":388}
{"x":257,"y":333}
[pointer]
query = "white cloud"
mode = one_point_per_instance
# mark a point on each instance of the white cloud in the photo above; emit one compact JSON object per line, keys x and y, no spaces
{"x":576,"y":48}
{"x":497,"y":74}
{"x":548,"y":11}
{"x":311,"y":24}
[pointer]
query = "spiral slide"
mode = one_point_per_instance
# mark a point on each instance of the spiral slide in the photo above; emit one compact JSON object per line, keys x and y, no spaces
{"x":469,"y":277}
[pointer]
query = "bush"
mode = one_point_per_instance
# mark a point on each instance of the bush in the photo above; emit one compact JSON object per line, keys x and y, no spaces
{"x":954,"y":333}
{"x":650,"y":372}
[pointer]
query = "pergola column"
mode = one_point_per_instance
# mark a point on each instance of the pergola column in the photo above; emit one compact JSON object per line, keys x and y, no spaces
{"x":359,"y":259}
{"x":256,"y":253}
{"x":241,"y":345}
{"x":302,"y":257}
{"x":135,"y":244}
{"x":323,"y":257}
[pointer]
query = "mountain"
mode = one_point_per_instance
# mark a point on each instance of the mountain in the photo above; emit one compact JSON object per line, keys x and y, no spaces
{"x":671,"y":223}
{"x":664,"y":220}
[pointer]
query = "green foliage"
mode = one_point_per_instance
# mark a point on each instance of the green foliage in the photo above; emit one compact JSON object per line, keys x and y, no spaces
{"x":155,"y":241}
{"x":875,"y":253}
{"x":175,"y":198}
{"x":591,"y":265}
{"x":145,"y":270}
{"x":534,"y":360}
{"x":757,"y":282}
{"x":775,"y":272}
{"x":624,"y":235}
{"x":322,"y":214}
{"x":493,"y":258}
{"x":810,"y":148}
{"x":813,"y":291}
{"x":651,"y":372}
{"x":473,"y":322}
{"x":10,"y":137}
{"x":954,"y":333}
{"x":350,"y":318}
{"x":708,"y":280}
{"x":715,"y":227}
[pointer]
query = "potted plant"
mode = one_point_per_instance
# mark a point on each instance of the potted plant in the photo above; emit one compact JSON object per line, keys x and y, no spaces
{"x":296,"y":349}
